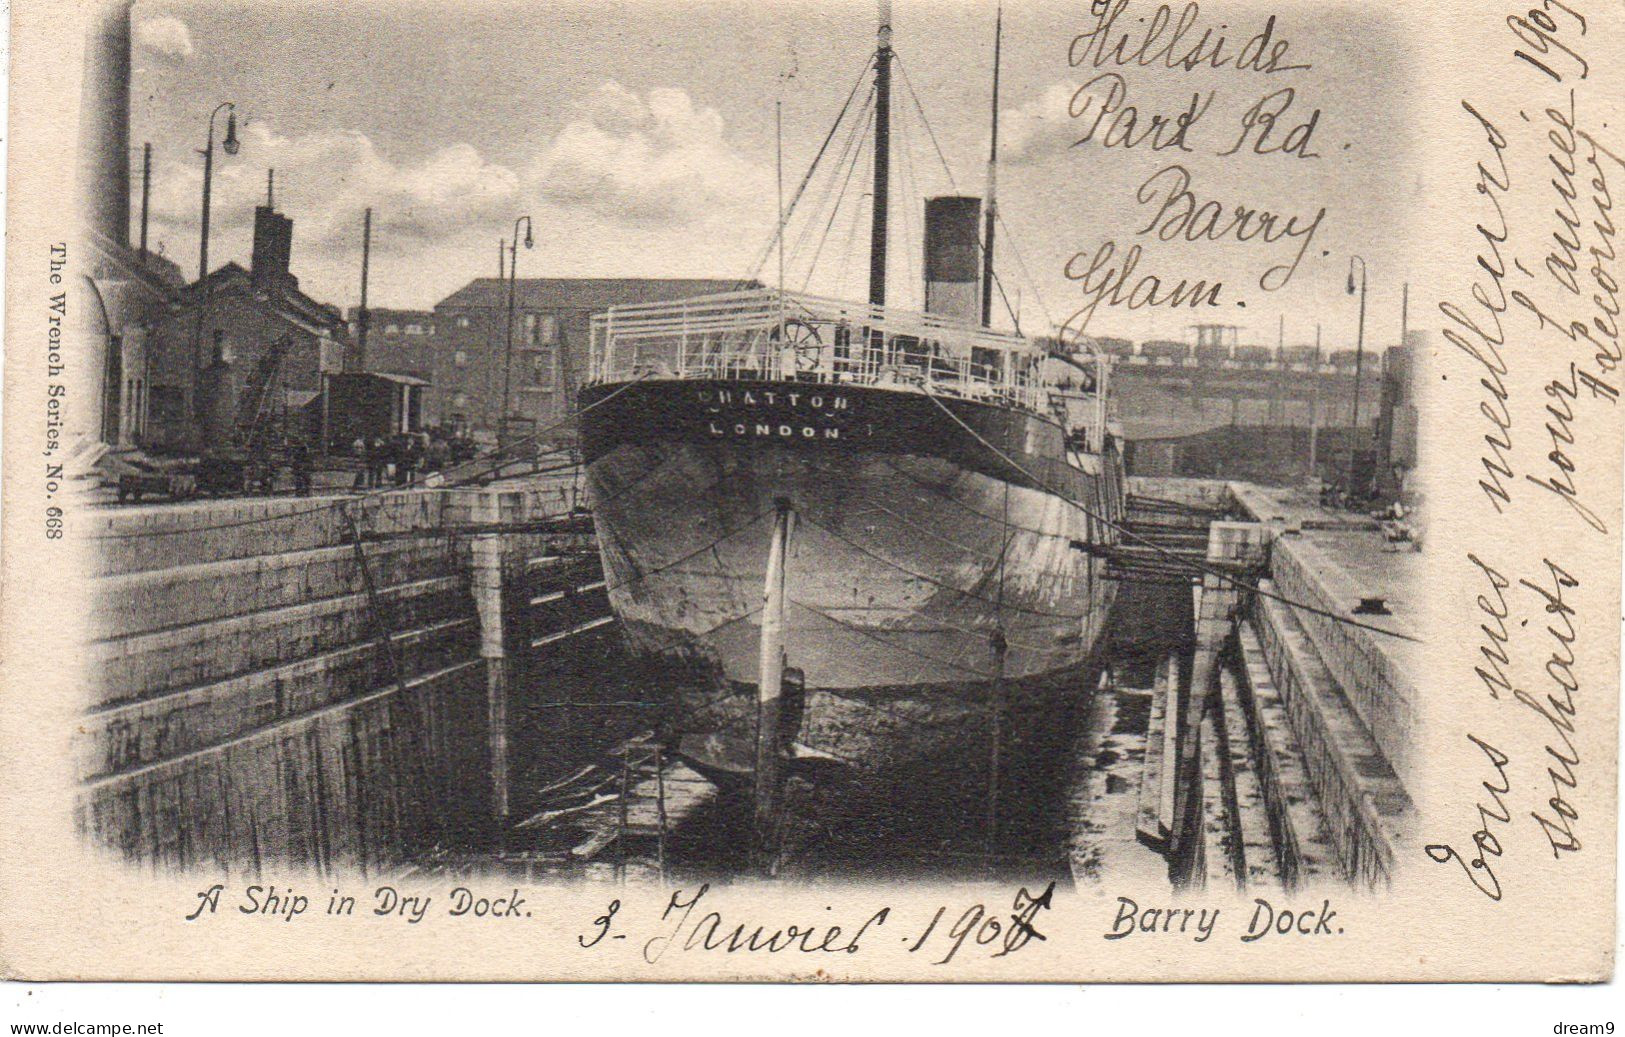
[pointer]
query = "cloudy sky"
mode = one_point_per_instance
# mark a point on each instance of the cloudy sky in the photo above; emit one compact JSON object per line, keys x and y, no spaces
{"x":640,"y":137}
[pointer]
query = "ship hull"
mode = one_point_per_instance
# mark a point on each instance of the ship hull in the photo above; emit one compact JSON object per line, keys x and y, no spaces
{"x":931,"y":570}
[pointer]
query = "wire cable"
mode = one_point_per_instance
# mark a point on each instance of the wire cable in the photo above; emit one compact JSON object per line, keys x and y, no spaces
{"x":1176,"y":558}
{"x":363,"y":499}
{"x":835,"y":210}
{"x":878,"y":639}
{"x":854,"y":545}
{"x":851,"y":149}
{"x":778,"y":230}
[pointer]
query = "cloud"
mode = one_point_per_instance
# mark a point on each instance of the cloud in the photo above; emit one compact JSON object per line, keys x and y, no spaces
{"x":634,"y":184}
{"x":1041,"y":125}
{"x":166,"y":35}
{"x":654,"y":159}
{"x":325,"y":180}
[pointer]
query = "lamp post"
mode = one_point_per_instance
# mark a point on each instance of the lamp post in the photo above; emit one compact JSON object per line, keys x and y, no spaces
{"x":1359,"y":357}
{"x":230,"y":146}
{"x":507,"y":360}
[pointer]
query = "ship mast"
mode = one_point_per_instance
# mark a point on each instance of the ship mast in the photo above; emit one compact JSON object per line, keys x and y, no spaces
{"x":992,"y":180}
{"x":877,"y":233}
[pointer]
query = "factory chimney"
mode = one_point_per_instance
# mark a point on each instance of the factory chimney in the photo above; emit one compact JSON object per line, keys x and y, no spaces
{"x":103,"y":168}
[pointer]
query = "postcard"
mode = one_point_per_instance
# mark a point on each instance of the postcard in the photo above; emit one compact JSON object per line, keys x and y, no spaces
{"x":1060,"y":490}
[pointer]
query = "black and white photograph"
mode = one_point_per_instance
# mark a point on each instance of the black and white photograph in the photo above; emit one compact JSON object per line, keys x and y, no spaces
{"x":1147,"y":462}
{"x":776,"y":504}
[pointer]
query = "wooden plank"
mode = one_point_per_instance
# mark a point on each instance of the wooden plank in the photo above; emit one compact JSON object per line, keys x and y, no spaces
{"x":1148,"y":825}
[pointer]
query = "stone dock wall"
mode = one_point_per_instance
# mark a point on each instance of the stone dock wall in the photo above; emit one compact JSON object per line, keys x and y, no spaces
{"x":245,"y":709}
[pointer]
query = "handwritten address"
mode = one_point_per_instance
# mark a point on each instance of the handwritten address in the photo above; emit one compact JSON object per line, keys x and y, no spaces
{"x":1274,"y":123}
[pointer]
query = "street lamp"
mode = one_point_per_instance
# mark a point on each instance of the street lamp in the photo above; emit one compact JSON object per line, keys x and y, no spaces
{"x":230,"y":146}
{"x":1359,"y":356}
{"x":507,"y":360}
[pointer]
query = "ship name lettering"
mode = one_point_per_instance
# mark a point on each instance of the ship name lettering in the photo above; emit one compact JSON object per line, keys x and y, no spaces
{"x":720,"y":397}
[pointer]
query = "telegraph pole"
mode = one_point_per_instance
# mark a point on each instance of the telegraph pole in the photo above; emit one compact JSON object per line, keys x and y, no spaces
{"x":363,"y":317}
{"x":146,"y":192}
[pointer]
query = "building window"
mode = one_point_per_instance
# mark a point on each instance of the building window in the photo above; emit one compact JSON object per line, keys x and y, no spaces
{"x":329,"y":354}
{"x":460,"y":358}
{"x":540,"y":329}
{"x":541,"y":368}
{"x":414,"y":329}
{"x":392,"y":329}
{"x":462,"y":320}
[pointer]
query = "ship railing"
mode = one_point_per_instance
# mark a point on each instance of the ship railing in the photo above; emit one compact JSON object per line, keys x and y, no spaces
{"x":767,"y":335}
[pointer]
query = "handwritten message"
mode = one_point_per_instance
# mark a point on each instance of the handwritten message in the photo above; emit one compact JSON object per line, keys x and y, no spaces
{"x":1537,"y":314}
{"x":691,"y":921}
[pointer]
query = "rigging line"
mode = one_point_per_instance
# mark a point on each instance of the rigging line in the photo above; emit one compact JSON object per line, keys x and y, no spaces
{"x":823,"y":191}
{"x":938,"y":583}
{"x":981,"y":246}
{"x":861,"y":632}
{"x":936,"y":625}
{"x":932,"y":625}
{"x":830,"y":200}
{"x":902,"y":225}
{"x":374,"y":495}
{"x":864,"y":202}
{"x":1004,"y":551}
{"x":689,"y":636}
{"x":874,"y":505}
{"x":1021,"y":263}
{"x":835,"y":210}
{"x":920,"y":108}
{"x":779,"y":230}
{"x":1175,"y":557}
{"x":1015,"y":319}
{"x":850,"y":149}
{"x":916,"y":278}
{"x":679,"y":639}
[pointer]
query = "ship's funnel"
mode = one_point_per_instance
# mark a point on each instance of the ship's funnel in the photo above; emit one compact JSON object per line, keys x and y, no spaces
{"x":952,"y":257}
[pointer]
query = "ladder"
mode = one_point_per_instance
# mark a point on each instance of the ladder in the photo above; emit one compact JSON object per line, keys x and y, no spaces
{"x":254,"y":409}
{"x":634,"y":759}
{"x":417,"y":724}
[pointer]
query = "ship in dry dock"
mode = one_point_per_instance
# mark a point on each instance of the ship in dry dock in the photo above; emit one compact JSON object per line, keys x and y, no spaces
{"x":881,"y":532}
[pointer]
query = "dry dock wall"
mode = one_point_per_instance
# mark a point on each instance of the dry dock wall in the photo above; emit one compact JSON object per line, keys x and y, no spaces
{"x":1346,"y":691}
{"x":245,"y":709}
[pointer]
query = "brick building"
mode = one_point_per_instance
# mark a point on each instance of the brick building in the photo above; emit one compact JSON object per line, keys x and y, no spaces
{"x":232,"y":333}
{"x":551,"y":336}
{"x":398,"y":342}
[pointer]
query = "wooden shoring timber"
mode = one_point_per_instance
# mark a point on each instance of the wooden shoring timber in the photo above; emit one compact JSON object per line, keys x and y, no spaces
{"x":1258,"y":856}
